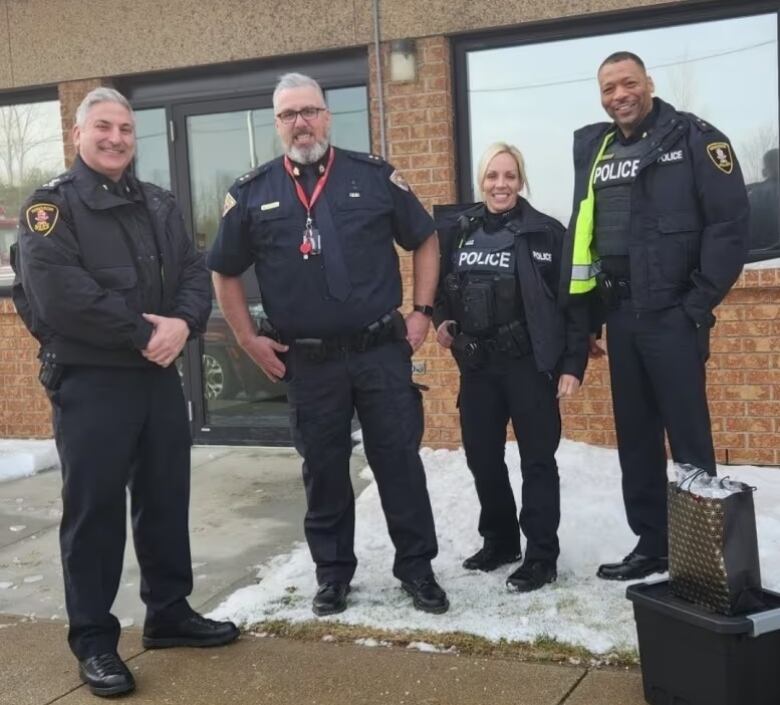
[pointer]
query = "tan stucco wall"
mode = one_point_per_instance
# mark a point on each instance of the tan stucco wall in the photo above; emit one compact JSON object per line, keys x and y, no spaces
{"x":51,"y":41}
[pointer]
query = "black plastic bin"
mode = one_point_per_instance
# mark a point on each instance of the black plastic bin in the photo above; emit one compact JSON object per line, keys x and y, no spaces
{"x":693,"y":657}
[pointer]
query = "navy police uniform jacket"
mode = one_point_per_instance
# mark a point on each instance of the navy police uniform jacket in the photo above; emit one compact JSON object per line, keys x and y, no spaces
{"x":365,"y":208}
{"x":557,"y":324}
{"x":79,"y":284}
{"x":689,"y":212}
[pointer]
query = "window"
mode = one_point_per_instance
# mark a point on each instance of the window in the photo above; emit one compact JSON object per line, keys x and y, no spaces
{"x":31,"y":153}
{"x":536,"y":94}
{"x":151,"y":137}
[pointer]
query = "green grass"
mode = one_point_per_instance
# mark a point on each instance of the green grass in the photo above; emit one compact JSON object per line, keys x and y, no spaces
{"x":542,"y":649}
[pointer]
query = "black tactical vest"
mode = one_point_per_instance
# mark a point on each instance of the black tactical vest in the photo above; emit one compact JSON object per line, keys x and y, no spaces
{"x":612,"y":181}
{"x":483,"y":284}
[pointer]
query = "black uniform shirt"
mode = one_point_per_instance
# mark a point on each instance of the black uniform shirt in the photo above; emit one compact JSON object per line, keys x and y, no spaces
{"x":365,"y":205}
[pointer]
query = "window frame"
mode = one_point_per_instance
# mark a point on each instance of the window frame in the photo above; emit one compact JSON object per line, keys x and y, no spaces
{"x":576,"y":27}
{"x":39,"y":94}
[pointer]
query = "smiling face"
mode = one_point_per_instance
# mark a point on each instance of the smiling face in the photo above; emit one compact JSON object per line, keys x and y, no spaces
{"x":304,"y":141}
{"x":502,"y":183}
{"x":626,"y":93}
{"x":106,"y":140}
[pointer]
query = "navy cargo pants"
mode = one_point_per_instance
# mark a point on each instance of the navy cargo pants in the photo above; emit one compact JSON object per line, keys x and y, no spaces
{"x":324,"y":394}
{"x":120,"y":428}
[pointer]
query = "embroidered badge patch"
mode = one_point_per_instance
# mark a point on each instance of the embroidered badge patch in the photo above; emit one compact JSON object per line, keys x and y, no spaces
{"x":42,"y":217}
{"x":399,"y":180}
{"x":229,"y":203}
{"x":720,"y":153}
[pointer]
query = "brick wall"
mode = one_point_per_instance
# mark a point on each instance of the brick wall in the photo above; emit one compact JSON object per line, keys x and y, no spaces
{"x":743,"y":379}
{"x":24,"y":409}
{"x":419,"y":124}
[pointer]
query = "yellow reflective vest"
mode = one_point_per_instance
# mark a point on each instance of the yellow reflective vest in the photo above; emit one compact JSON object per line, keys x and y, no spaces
{"x":585,"y":265}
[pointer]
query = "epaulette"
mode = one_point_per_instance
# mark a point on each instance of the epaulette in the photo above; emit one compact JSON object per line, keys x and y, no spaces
{"x":56,"y":182}
{"x":698,"y":123}
{"x":374,"y":159}
{"x":252,"y":175}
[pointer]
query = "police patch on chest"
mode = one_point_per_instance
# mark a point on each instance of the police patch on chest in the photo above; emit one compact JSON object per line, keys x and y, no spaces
{"x":484,"y":260}
{"x":614,"y":173}
{"x":42,"y":217}
{"x":676,"y":155}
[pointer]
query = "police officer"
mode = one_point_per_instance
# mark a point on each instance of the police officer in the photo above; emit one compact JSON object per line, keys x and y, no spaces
{"x":518,"y":350}
{"x":319,"y":224}
{"x":109,"y":283}
{"x":660,"y":207}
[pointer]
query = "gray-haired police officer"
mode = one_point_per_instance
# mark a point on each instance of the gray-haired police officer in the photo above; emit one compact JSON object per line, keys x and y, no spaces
{"x":93,"y":244}
{"x":660,"y":205}
{"x":319,"y":225}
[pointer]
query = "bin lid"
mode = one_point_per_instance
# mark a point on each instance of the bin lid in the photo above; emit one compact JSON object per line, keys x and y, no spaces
{"x":658,"y":597}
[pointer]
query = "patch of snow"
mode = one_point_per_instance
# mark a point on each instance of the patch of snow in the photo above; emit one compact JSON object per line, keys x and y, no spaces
{"x":21,"y":458}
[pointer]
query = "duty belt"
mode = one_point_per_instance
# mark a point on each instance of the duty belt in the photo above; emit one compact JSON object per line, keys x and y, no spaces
{"x":511,"y":338}
{"x":613,"y":289}
{"x":388,"y":328}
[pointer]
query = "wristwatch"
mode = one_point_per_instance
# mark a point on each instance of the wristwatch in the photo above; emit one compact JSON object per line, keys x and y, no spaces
{"x":425,"y":310}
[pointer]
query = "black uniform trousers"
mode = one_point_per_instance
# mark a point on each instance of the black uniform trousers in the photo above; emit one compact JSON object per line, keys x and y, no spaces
{"x":656,"y":365}
{"x":323,"y":396}
{"x":117,"y":428}
{"x":512,"y":388}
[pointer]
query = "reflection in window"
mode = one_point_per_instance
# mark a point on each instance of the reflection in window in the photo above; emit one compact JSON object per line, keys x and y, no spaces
{"x":31,"y":153}
{"x":725,"y":71}
{"x":151,"y":151}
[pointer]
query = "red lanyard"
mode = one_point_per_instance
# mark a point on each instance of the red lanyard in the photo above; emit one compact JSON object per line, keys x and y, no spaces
{"x":309,"y":204}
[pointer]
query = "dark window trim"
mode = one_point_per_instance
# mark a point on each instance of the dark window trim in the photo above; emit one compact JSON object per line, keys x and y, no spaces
{"x":574,"y":28}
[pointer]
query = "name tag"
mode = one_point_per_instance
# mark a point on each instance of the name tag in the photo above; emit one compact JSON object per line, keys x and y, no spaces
{"x":269,"y":206}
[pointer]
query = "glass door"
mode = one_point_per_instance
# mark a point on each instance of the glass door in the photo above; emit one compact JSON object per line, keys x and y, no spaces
{"x":214,"y":143}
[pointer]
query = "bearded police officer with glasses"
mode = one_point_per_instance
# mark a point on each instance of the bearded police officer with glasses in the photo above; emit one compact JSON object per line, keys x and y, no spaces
{"x":320,"y":225}
{"x":660,"y":228}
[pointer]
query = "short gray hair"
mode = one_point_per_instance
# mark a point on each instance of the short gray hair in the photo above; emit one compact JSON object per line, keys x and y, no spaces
{"x":297,"y":80}
{"x":103,"y":94}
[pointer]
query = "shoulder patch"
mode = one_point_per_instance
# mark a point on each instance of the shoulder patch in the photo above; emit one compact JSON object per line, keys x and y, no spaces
{"x":720,"y":154}
{"x":399,"y":180}
{"x":42,"y":218}
{"x":229,"y":203}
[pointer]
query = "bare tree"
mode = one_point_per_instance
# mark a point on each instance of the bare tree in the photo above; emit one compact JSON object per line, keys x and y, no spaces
{"x":753,"y":148}
{"x":23,"y":130}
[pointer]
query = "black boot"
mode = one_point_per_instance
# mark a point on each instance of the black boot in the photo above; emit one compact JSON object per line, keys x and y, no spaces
{"x":633,"y":567}
{"x":490,"y":557}
{"x":331,"y":598}
{"x":194,"y":630}
{"x":532,"y":575}
{"x":427,"y":595}
{"x":106,"y":675}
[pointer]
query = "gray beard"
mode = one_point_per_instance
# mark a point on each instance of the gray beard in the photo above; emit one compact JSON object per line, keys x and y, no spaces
{"x":308,"y":155}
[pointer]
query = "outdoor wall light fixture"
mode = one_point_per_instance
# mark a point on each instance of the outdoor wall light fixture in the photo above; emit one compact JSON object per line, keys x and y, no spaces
{"x":403,"y":60}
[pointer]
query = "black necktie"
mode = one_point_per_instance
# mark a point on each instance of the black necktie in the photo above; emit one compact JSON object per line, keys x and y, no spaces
{"x":336,"y":274}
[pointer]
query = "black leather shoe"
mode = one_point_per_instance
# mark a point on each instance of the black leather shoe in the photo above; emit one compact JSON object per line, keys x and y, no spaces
{"x":427,"y":595}
{"x":532,"y":575}
{"x":489,"y":558}
{"x":106,"y":675}
{"x":331,"y":598}
{"x":633,"y":567}
{"x":194,"y":630}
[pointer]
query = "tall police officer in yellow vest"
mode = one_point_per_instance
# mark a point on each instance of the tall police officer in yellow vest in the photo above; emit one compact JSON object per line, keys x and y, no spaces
{"x":660,"y":228}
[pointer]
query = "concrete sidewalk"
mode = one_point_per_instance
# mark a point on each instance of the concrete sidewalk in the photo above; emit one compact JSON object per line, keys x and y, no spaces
{"x":247,"y":506}
{"x":36,"y":668}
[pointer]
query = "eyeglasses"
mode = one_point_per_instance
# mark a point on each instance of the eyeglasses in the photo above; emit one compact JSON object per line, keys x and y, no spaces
{"x":309,"y":113}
